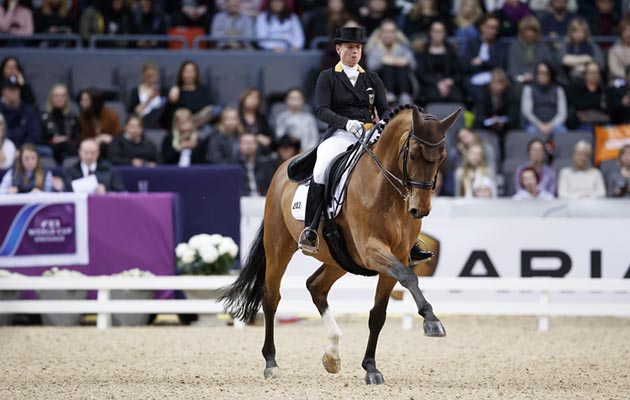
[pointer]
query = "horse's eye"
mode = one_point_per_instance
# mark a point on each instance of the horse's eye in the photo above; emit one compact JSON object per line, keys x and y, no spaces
{"x":413,"y":157}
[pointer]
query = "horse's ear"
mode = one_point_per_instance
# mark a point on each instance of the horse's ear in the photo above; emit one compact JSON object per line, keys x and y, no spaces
{"x":448,"y":121}
{"x":416,"y":120}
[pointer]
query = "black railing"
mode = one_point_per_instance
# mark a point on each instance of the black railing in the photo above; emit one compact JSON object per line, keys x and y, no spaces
{"x":67,"y":40}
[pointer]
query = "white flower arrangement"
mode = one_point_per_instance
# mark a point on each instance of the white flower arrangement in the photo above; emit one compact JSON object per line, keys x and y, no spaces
{"x":134,"y":273}
{"x":55,"y":272}
{"x":206,"y":255}
{"x":8,"y":274}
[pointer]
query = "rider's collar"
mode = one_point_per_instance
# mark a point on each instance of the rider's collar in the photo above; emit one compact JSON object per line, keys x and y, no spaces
{"x":341,"y":67}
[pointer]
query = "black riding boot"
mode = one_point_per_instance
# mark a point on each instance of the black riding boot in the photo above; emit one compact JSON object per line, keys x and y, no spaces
{"x":417,"y":254}
{"x":308,"y":242}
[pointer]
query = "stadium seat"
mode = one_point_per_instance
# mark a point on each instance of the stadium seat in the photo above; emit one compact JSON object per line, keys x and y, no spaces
{"x":230,"y":80}
{"x":96,"y":73}
{"x":156,"y":136}
{"x":516,"y":143}
{"x":69,"y":161}
{"x":608,"y":166}
{"x":562,"y":162}
{"x":564,"y":144}
{"x":277,"y":80}
{"x":42,"y":77}
{"x":120,"y":109}
{"x":509,"y":167}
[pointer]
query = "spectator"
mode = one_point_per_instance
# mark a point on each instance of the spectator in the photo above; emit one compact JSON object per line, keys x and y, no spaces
{"x":277,"y":21}
{"x":288,"y":146}
{"x":416,"y":24}
{"x":183,"y":146}
{"x":497,"y":110}
{"x":148,"y":20}
{"x":15,"y":19}
{"x":538,"y":160}
{"x":253,"y":120}
{"x":53,"y":17}
{"x":527,"y":51}
{"x":474,"y":166}
{"x":619,"y":53}
{"x":117,"y":18}
{"x":11,"y":67}
{"x":483,"y":55}
{"x":92,"y":21}
{"x":605,"y":21}
{"x":389,"y":55}
{"x":7,"y":148}
{"x":188,"y":92}
{"x":60,"y":127}
{"x":555,"y":20}
{"x":95,"y":120}
{"x":438,"y":70}
{"x":618,"y":100}
{"x":466,"y":138}
{"x":248,"y":7}
{"x":528,"y":188}
{"x":132,"y":147}
{"x":28,"y":176}
{"x":578,"y":49}
{"x":326,"y":20}
{"x":492,"y":6}
{"x":589,"y":99}
{"x":234,"y":24}
{"x":510,"y":16}
{"x":376,"y":11}
{"x":484,"y":187}
{"x":581,"y":181}
{"x":21,"y":121}
{"x":194,"y":13}
{"x":543,"y":103}
{"x":148,"y":98}
{"x":223,"y":141}
{"x":108,"y":179}
{"x":619,"y":179}
{"x":257,"y":170}
{"x":296,"y":121}
{"x":466,"y":19}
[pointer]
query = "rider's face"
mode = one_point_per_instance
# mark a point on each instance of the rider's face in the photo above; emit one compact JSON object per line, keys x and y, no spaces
{"x":349,"y":53}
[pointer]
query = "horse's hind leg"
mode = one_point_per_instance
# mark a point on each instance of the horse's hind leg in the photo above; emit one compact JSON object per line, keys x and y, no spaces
{"x":280,"y":247}
{"x":319,"y":285}
{"x":377,"y":319}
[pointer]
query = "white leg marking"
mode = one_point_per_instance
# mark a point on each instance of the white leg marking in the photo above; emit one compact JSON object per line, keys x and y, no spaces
{"x":334,"y":333}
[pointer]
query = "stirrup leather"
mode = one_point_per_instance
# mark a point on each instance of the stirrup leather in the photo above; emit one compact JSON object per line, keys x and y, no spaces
{"x":304,"y":244}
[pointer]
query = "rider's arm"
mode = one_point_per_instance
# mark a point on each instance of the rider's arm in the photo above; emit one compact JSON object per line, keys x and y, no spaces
{"x":324,"y":97}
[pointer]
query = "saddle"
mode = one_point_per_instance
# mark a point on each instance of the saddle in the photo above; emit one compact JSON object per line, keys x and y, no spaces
{"x":339,"y":173}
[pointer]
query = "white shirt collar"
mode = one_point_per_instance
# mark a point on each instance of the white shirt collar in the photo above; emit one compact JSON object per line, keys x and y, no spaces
{"x":350,"y":71}
{"x":87,"y":168}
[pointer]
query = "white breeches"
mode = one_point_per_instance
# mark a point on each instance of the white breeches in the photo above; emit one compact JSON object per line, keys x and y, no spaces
{"x":329,"y":149}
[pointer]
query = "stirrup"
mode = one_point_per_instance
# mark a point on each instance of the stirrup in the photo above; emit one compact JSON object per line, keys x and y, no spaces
{"x":308,"y":248}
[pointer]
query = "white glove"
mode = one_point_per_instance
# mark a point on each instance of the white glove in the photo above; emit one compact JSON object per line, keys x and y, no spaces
{"x":353,"y":126}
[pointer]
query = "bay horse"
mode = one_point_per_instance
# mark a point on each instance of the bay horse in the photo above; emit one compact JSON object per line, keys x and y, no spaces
{"x":388,"y":195}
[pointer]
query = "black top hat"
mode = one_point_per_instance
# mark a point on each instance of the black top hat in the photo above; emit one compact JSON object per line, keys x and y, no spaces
{"x":350,"y":35}
{"x":11,"y":82}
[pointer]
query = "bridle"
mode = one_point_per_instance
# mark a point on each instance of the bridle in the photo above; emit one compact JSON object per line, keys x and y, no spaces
{"x":407,"y":184}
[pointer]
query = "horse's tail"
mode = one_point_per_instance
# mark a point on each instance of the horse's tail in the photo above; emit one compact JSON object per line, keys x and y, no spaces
{"x":244,"y":296}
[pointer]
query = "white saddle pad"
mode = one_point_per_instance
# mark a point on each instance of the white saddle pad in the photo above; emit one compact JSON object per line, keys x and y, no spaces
{"x":298,"y":205}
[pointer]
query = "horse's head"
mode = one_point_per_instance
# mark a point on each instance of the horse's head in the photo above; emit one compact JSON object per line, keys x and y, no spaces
{"x":423,"y":152}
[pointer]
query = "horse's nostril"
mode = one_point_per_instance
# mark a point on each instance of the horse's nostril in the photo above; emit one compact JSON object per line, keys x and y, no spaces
{"x":414,"y":213}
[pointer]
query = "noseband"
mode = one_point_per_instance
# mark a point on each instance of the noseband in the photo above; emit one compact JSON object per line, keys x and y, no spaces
{"x":409,"y":183}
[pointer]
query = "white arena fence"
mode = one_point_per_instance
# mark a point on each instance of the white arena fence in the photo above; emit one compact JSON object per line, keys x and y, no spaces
{"x":537,"y":300}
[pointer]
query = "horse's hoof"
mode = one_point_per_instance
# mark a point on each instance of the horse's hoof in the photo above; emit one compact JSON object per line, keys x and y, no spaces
{"x":332,"y":364}
{"x":374,"y":378}
{"x":272,"y":372}
{"x":434,"y":329}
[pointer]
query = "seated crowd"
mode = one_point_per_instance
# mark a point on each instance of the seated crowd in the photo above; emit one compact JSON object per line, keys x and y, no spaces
{"x":515,"y":65}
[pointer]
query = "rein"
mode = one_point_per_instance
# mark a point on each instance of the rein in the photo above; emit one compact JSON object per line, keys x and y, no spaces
{"x":406,"y":183}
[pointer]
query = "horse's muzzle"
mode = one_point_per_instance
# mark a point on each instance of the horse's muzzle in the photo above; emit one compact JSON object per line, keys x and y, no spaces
{"x":417,"y":214}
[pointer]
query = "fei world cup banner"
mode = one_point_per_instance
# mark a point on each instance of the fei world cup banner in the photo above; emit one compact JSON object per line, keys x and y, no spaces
{"x":43,"y":229}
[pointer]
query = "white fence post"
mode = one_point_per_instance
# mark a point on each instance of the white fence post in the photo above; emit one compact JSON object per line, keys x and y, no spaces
{"x":103,"y":320}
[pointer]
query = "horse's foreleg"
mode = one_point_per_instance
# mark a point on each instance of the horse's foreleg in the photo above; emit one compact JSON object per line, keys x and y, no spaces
{"x":376,"y":322}
{"x":319,"y":285}
{"x":408,"y":278}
